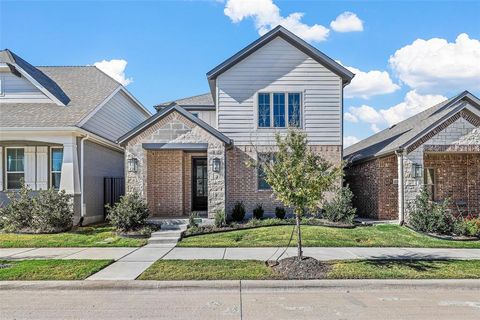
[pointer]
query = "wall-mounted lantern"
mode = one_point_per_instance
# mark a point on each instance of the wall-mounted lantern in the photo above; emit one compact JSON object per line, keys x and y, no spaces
{"x":216,"y":165}
{"x":417,"y":170}
{"x":132,"y":164}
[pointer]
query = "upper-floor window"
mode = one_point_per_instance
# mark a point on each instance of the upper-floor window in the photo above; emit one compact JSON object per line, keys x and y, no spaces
{"x":281,"y":107}
{"x":56,"y":160}
{"x":15,"y":172}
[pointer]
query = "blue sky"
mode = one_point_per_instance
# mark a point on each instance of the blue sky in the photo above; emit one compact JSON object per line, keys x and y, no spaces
{"x":170,"y":45}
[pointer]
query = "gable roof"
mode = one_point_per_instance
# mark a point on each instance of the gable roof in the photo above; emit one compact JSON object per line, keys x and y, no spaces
{"x":44,"y":82}
{"x":291,"y":38}
{"x":198,"y":102}
{"x":86,"y":86}
{"x":404,"y":133}
{"x":165,"y":112}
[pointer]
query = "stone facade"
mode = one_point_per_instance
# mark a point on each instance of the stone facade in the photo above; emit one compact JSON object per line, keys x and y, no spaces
{"x":242,"y":180}
{"x":162,"y":175}
{"x":374,"y":184}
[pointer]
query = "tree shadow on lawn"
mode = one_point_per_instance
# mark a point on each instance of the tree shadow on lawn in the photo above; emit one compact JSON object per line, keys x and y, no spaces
{"x":416,"y":262}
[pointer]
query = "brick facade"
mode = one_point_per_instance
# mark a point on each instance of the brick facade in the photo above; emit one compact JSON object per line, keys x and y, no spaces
{"x":375,"y":189}
{"x":242,"y":180}
{"x":457,"y":177}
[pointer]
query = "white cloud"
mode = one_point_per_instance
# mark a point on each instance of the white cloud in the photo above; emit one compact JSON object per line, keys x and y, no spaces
{"x":350,"y":117}
{"x":370,"y":83}
{"x":347,"y":22}
{"x":115,"y":68}
{"x":413,"y":103}
{"x":437,"y":64}
{"x":349,"y":140}
{"x":266,"y":16}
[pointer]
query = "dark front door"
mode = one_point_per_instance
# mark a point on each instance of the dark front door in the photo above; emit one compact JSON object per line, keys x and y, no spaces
{"x":199,"y":184}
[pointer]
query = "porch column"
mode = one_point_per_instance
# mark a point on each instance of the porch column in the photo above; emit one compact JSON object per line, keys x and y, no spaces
{"x":216,"y":180}
{"x":70,"y":179}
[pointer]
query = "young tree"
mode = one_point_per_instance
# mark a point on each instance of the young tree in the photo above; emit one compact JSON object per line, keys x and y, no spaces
{"x":298,"y":176}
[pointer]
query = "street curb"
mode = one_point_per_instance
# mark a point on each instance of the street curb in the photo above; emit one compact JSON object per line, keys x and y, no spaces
{"x":453,"y":284}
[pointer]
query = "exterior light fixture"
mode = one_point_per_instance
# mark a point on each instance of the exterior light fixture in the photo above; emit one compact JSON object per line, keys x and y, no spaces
{"x":216,"y":165}
{"x":132,"y":164}
{"x":416,"y":170}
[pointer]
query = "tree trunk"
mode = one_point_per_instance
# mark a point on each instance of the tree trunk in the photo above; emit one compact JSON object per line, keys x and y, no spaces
{"x":299,"y":240}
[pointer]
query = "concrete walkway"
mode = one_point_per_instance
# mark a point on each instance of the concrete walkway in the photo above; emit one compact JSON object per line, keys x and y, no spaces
{"x":131,"y":262}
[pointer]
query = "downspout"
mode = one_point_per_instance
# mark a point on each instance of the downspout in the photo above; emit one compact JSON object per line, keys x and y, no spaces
{"x":401,"y":187}
{"x":82,"y":177}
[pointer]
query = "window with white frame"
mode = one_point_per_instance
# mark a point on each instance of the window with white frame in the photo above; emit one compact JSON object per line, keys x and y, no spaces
{"x":56,"y":160}
{"x":15,"y":167}
{"x":279,"y":109}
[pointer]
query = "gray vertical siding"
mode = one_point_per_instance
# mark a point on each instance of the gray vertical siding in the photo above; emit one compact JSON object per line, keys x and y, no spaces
{"x":119,"y":115}
{"x":279,"y":66}
{"x":99,"y":162}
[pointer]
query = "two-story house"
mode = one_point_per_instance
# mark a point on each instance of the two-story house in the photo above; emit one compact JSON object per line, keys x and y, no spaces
{"x":58,"y":129}
{"x":192,"y":154}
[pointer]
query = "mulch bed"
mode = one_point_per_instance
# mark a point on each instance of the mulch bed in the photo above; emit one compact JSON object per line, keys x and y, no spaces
{"x":294,"y":269}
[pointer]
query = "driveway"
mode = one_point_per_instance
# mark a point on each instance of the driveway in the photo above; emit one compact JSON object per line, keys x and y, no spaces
{"x":347,"y":299}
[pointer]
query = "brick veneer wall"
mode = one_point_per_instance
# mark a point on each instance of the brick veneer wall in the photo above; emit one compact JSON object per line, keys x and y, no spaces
{"x":242,"y":180}
{"x":165,"y":194}
{"x":375,"y":187}
{"x":457,"y":177}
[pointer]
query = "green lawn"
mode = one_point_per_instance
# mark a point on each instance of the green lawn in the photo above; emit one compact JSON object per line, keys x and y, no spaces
{"x":96,"y":236}
{"x":318,"y":236}
{"x":364,"y":269}
{"x":50,"y":269}
{"x":208,"y":270}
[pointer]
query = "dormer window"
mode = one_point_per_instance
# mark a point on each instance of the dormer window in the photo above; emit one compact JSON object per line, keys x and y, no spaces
{"x":279,"y":109}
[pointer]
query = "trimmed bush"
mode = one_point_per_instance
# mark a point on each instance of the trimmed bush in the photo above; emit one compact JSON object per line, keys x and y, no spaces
{"x":17,"y":215}
{"x":192,"y":223}
{"x":280,"y":212}
{"x":468,"y":226}
{"x":429,"y":216}
{"x":219,"y":218}
{"x":53,"y":211}
{"x":129,"y":214}
{"x":258,"y":211}
{"x":47,"y":211}
{"x":238,"y":212}
{"x":340,"y":208}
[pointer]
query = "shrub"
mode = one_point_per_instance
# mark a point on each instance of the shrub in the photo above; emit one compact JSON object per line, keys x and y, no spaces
{"x":280,"y":212}
{"x":238,"y":213}
{"x":258,"y":211}
{"x":53,"y":211}
{"x":17,"y":215}
{"x":129,"y":214}
{"x":191,"y":220}
{"x":219,"y":218}
{"x":468,"y":226}
{"x":340,"y":208}
{"x":428,"y":216}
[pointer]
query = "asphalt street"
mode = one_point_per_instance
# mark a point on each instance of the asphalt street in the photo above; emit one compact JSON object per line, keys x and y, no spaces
{"x":241,"y":300}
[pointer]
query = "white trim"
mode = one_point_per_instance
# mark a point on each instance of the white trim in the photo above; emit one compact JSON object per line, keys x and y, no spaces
{"x":6,"y":165}
{"x":39,"y":86}
{"x":60,"y":130}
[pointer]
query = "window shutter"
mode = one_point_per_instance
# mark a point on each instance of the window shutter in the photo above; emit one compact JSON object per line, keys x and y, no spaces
{"x":1,"y":168}
{"x":42,"y":168}
{"x":30,"y":167}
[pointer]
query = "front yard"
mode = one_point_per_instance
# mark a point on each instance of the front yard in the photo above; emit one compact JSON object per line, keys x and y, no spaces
{"x":94,"y":236}
{"x":319,"y":236}
{"x":362,"y":269}
{"x":50,"y":269}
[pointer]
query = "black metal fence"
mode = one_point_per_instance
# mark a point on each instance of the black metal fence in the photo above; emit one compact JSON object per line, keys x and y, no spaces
{"x":113,"y":189}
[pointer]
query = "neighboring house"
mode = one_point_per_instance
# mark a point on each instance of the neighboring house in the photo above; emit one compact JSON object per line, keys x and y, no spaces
{"x":438,"y":148}
{"x":191,"y":155}
{"x":58,"y":127}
